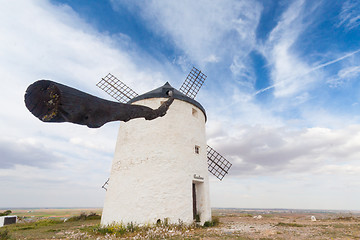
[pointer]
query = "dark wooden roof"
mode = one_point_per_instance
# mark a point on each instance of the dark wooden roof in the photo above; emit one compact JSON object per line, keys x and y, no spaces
{"x":161,"y":92}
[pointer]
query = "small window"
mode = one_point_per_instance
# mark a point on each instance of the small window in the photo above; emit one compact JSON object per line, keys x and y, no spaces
{"x":197,"y":149}
{"x":194,"y":112}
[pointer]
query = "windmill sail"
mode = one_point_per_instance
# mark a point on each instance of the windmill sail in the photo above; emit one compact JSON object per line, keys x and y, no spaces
{"x":217,"y":164}
{"x":116,"y":88}
{"x":54,"y":102}
{"x":193,"y":83}
{"x":106,"y":183}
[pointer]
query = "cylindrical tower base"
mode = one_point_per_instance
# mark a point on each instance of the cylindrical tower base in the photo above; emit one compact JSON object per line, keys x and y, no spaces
{"x":159,"y":169}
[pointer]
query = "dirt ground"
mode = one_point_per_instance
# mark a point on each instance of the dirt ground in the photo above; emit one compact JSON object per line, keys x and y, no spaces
{"x":234,"y":224}
{"x":286,"y":224}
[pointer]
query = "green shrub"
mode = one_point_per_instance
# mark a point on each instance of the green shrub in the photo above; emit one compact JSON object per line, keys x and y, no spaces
{"x":5,"y":213}
{"x":166,"y":222}
{"x":5,"y":235}
{"x":118,"y":229}
{"x":346,"y":218}
{"x":281,"y":224}
{"x":93,"y":216}
{"x":131,"y":227}
{"x":84,"y":216}
{"x":207,"y":224}
{"x":214,"y":222}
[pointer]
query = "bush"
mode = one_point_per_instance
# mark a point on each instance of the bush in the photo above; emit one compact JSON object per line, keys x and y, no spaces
{"x":281,"y":224}
{"x":131,"y":227}
{"x":214,"y":222}
{"x":118,"y":229}
{"x":5,"y":213}
{"x":84,"y":216}
{"x":348,"y":218}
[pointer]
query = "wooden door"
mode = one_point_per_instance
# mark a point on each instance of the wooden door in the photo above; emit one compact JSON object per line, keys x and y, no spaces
{"x":194,"y":201}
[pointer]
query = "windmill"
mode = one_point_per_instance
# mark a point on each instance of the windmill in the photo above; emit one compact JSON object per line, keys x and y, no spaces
{"x":160,"y":168}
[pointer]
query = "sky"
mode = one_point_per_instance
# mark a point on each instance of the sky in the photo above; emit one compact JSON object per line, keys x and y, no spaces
{"x":281,"y":97}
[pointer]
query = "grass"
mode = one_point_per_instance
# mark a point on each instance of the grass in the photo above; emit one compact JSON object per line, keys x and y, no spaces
{"x":156,"y":231}
{"x":342,"y":231}
{"x":87,"y":226}
{"x":162,"y":229}
{"x":4,"y":234}
{"x":31,"y":213}
{"x":282,"y":224}
{"x":34,"y":225}
{"x":47,"y":228}
{"x":117,"y":230}
{"x":347,"y":218}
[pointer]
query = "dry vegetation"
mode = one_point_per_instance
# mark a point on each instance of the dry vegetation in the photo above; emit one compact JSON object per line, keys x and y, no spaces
{"x":240,"y":224}
{"x":234,"y":224}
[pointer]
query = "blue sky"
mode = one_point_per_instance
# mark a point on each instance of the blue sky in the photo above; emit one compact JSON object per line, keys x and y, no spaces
{"x":282,"y":94}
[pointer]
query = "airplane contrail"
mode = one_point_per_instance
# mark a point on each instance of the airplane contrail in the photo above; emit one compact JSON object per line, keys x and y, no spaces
{"x":311,"y":70}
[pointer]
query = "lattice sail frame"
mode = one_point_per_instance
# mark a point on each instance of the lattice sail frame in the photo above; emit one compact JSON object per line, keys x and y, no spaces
{"x":217,"y":164}
{"x":193,"y":83}
{"x":116,"y":88}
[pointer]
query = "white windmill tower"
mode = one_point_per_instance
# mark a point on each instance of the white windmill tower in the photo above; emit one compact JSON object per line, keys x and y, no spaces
{"x":160,"y":168}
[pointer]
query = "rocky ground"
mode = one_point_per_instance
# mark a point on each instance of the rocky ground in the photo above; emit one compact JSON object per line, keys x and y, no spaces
{"x":233,"y":224}
{"x":286,"y":224}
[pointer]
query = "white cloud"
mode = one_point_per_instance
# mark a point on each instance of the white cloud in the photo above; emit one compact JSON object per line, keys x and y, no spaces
{"x":288,"y":190}
{"x":52,"y":42}
{"x":346,"y":169}
{"x":270,"y":150}
{"x":205,"y":31}
{"x":344,"y":76}
{"x":13,"y":153}
{"x":289,"y":72}
{"x":279,"y":167}
{"x":32,"y":187}
{"x":349,"y":16}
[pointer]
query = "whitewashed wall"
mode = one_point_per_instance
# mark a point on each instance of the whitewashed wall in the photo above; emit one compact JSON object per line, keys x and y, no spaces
{"x":154,"y":167}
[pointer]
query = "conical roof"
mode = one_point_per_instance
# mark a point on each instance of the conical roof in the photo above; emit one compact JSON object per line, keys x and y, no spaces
{"x":161,"y":92}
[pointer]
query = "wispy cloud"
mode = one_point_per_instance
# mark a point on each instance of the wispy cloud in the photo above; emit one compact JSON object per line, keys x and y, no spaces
{"x":287,"y":68}
{"x":206,"y":32}
{"x":60,"y":46}
{"x":273,"y":150}
{"x":349,"y":16}
{"x":344,"y":73}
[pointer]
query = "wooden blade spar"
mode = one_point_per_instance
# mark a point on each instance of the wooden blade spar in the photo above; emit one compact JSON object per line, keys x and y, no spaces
{"x":54,"y":102}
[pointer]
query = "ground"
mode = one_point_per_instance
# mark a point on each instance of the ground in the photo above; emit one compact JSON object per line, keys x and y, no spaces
{"x":287,"y":224}
{"x":233,"y":224}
